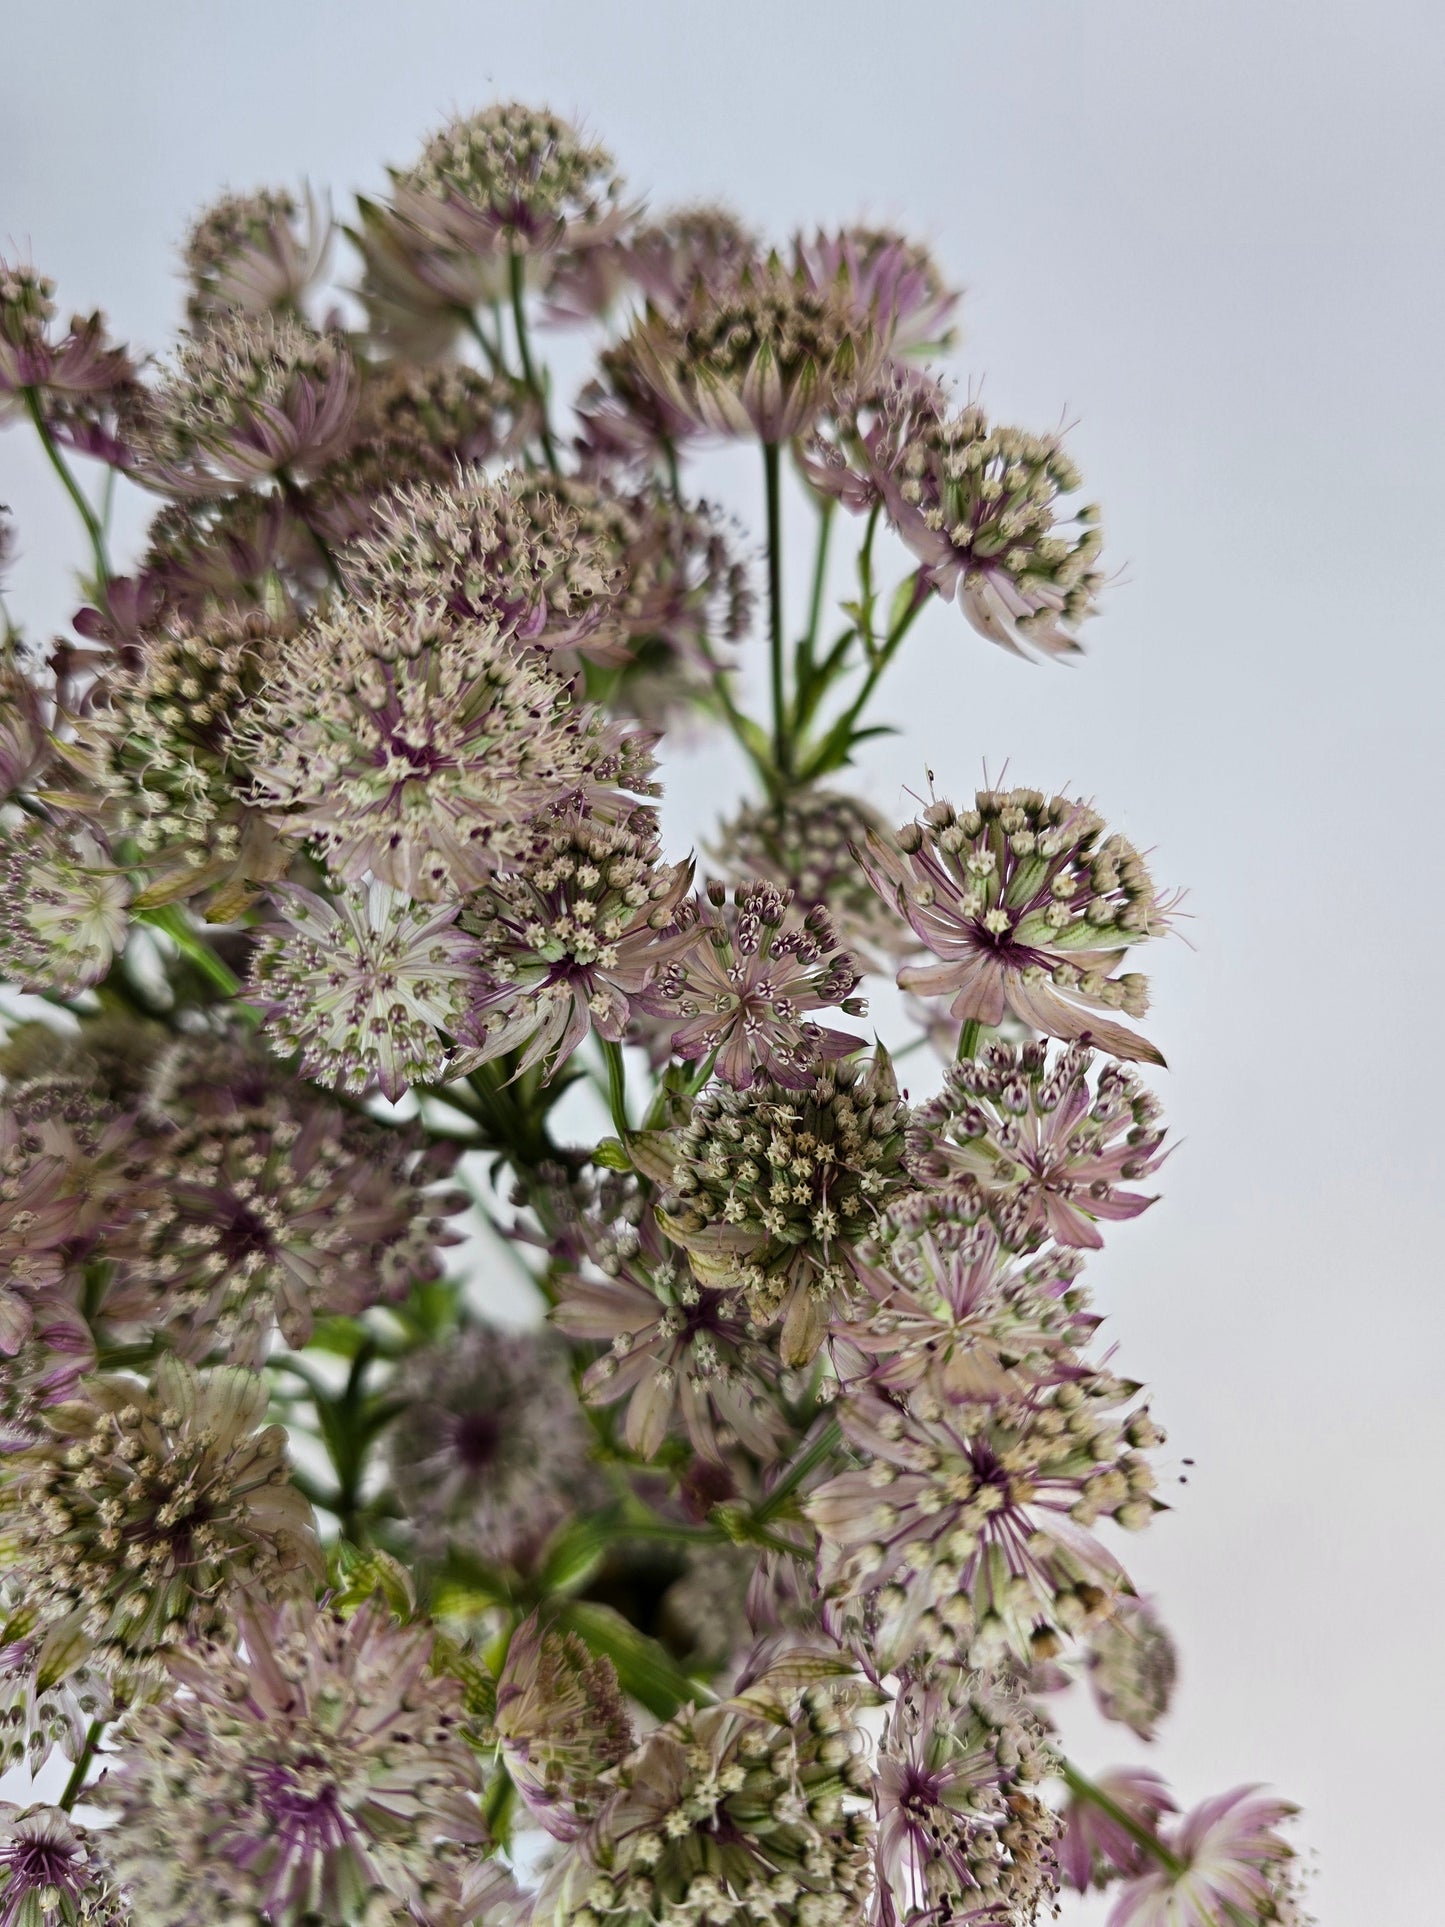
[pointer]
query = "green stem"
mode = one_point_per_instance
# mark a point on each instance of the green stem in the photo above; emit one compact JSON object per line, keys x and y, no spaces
{"x":968,"y":1041}
{"x":820,"y":573}
{"x":168,"y":918}
{"x":524,"y":349}
{"x":1083,"y":1788}
{"x":616,"y":1087}
{"x":72,"y":489}
{"x":823,"y":1447}
{"x":82,"y":1766}
{"x":484,"y":341}
{"x":782,"y":749}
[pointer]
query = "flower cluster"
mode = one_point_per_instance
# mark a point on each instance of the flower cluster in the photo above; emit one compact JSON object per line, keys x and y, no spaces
{"x":251,"y":252}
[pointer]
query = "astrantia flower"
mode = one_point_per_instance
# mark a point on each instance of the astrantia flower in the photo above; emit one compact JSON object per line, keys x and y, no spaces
{"x":1094,"y":1848}
{"x":1029,"y":907}
{"x":246,"y":396}
{"x":1132,"y":1667}
{"x":805,"y":845}
{"x":77,"y":368}
{"x":569,"y":938}
{"x":702,"y":243}
{"x":489,"y":1452}
{"x":942,"y":1296}
{"x":49,"y":1693}
{"x":64,"y":915}
{"x":319,"y":1775}
{"x":512,"y":178}
{"x":54,"y":1873}
{"x":368,"y":988}
{"x":251,"y":252}
{"x":744,"y":986}
{"x":147,"y":1513}
{"x":963,"y":1832}
{"x":562,"y":1722}
{"x":231,"y":555}
{"x":419,"y":748}
{"x":893,"y":284}
{"x":25,"y":711}
{"x":763,"y":354}
{"x":966,"y":1526}
{"x":774,"y":1190}
{"x":1028,"y":1125}
{"x":678,"y":1348}
{"x":160,"y":744}
{"x":725,"y":1815}
{"x":272,"y":1207}
{"x":1234,"y":1866}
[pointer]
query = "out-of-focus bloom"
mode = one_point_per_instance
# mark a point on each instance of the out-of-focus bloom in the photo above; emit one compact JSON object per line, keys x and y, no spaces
{"x":162,"y":746}
{"x":893,"y":284}
{"x":1028,"y":1126}
{"x":419,"y":749}
{"x":147,"y":1513}
{"x":966,"y":1527}
{"x":64,"y":914}
{"x":54,"y":1873}
{"x":729,"y":1814}
{"x":25,"y":710}
{"x":562,"y":1722}
{"x":489,"y":1452}
{"x":49,"y":1694}
{"x":1132,"y":1667}
{"x":744,"y":986}
{"x":251,"y":252}
{"x":571,"y":937}
{"x":369,"y":988}
{"x":1029,"y":907}
{"x":1093,"y":1847}
{"x":942,"y":1297}
{"x":506,"y":550}
{"x":774,"y":1190}
{"x":229,"y":555}
{"x":761,"y":355}
{"x":678,"y":1347}
{"x":270,"y":1206}
{"x":77,"y":369}
{"x":1234,"y":1866}
{"x":319,"y":1775}
{"x":806,"y":845}
{"x":963,"y":1832}
{"x":702,"y":244}
{"x":247,"y":396}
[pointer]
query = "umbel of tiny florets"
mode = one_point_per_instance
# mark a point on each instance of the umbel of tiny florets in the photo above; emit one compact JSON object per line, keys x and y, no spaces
{"x":893,"y":284}
{"x":562,"y":1723}
{"x":419,"y":749}
{"x":1132,"y":1666}
{"x":1029,"y":908}
{"x":64,"y":914}
{"x":146,"y":1514}
{"x":250,"y":252}
{"x":742,"y":987}
{"x":729,"y":1814}
{"x":54,"y":1873}
{"x":966,"y":1527}
{"x":78,"y":368}
{"x":320,"y":1774}
{"x":49,"y":1692}
{"x":1057,"y":1153}
{"x":678,"y":1347}
{"x":489,"y":1452}
{"x":774,"y":1190}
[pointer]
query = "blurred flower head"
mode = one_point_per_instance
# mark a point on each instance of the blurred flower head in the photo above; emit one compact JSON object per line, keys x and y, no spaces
{"x":562,"y":1722}
{"x":64,"y":916}
{"x":893,"y":284}
{"x":255,"y":253}
{"x":1133,"y":1666}
{"x":1233,"y":1864}
{"x":76,"y":368}
{"x":49,"y":1692}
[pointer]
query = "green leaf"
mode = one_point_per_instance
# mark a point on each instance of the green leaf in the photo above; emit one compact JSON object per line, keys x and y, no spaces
{"x":644,"y":1668}
{"x":575,"y":1554}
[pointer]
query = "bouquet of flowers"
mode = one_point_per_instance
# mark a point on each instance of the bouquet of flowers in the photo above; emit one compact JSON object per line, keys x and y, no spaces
{"x":745,"y":1582}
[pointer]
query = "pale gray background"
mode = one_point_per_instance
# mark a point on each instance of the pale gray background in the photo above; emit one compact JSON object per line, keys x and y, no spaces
{"x":1211,"y":233}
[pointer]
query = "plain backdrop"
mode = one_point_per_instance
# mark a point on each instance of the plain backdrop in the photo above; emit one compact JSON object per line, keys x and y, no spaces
{"x":1209,"y":234}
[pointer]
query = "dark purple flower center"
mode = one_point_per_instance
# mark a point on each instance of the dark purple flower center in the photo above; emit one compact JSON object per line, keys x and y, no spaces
{"x":42,"y":1863}
{"x":242,"y":1234}
{"x":476,"y":1437}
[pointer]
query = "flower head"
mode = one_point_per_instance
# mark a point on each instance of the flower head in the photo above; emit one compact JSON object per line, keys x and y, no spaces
{"x":743,"y":987}
{"x":64,"y":917}
{"x":251,"y":252}
{"x":562,"y":1722}
{"x":489,"y":1452}
{"x":1094,"y":1848}
{"x":1132,"y":1666}
{"x":229,"y":555}
{"x":774,"y":1190}
{"x":569,"y":938}
{"x":893,"y":284}
{"x":25,"y":713}
{"x":146,"y":1514}
{"x":247,"y":396}
{"x":964,"y":1834}
{"x":677,"y":1347}
{"x":54,"y":1873}
{"x":77,"y":368}
{"x":419,"y":749}
{"x":1234,"y":1865}
{"x":703,"y":243}
{"x":1055,"y":1151}
{"x":965,"y":1527}
{"x":49,"y":1693}
{"x":729,"y":1814}
{"x":1029,"y":908}
{"x":319,"y":1773}
{"x":368,"y":988}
